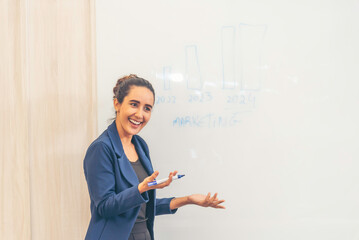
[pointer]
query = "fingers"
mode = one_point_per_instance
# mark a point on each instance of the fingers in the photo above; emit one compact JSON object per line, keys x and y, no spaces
{"x":164,"y":184}
{"x":143,"y":186}
{"x":214,"y":197}
{"x":220,"y":206}
{"x":168,"y":182}
{"x":214,"y":202}
{"x":172,"y":174}
{"x":208,"y":197}
{"x":152,"y":177}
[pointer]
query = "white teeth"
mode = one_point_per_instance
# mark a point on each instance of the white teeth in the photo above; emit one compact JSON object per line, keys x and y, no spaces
{"x":134,"y":122}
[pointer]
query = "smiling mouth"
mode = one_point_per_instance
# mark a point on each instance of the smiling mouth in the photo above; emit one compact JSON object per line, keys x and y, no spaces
{"x":134,"y":121}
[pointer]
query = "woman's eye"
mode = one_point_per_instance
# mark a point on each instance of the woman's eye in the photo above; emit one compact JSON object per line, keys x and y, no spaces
{"x":133,"y":104}
{"x":148,"y":109}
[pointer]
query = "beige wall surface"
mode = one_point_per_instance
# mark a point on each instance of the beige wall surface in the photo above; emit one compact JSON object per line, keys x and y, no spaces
{"x":14,"y":144}
{"x":48,"y":106}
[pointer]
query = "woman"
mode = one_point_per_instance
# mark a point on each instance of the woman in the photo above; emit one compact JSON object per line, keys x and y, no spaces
{"x":118,"y":169}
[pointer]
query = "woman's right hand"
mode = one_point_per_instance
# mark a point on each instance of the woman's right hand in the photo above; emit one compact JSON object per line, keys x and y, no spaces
{"x":143,"y":186}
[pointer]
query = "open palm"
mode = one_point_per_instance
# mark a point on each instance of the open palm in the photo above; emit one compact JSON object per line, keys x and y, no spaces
{"x":206,"y":200}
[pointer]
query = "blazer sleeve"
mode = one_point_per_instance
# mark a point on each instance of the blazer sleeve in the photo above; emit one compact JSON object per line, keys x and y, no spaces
{"x":100,"y":179}
{"x":163,"y":206}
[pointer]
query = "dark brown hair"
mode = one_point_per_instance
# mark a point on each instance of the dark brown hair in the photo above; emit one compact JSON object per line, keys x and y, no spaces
{"x":125,"y":83}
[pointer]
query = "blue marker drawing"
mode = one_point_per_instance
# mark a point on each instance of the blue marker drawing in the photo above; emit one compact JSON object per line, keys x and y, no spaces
{"x":167,"y":77}
{"x":209,"y":120}
{"x":193,"y":74}
{"x":156,"y":182}
{"x":250,"y":43}
{"x":228,"y":36}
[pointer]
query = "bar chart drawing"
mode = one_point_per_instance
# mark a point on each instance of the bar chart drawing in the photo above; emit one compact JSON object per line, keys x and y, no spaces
{"x":250,"y":56}
{"x":242,"y":56}
{"x":167,"y":77}
{"x":228,"y":37}
{"x":193,"y":73}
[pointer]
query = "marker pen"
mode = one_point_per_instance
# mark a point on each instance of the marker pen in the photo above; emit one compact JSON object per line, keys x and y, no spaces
{"x":156,"y":182}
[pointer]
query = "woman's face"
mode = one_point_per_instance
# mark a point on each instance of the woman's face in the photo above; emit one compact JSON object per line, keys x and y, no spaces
{"x":134,"y":112}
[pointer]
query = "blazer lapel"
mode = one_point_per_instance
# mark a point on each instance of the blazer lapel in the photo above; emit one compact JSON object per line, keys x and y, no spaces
{"x":143,"y":157}
{"x":127,"y":170}
{"x":124,"y":164}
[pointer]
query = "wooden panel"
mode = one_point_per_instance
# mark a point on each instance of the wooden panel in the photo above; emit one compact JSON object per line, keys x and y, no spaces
{"x":14,"y":159}
{"x":48,"y":106}
{"x":62,"y":115}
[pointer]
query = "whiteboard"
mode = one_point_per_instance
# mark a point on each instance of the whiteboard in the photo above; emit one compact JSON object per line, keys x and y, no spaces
{"x":256,"y":100}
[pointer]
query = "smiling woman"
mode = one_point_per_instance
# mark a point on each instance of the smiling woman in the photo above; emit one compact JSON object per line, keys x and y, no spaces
{"x":133,"y":110}
{"x":118,"y":169}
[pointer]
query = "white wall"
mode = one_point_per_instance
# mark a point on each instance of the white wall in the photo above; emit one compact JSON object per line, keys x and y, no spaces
{"x":256,"y":100}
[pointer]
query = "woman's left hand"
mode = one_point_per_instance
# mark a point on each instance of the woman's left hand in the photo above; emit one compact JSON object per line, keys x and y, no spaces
{"x":206,"y":201}
{"x":143,"y":186}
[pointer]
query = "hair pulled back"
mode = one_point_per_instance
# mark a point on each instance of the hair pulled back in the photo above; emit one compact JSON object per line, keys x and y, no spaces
{"x":125,"y":83}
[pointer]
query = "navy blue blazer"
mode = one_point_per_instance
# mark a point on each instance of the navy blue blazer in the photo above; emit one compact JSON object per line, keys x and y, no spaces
{"x":113,"y":188}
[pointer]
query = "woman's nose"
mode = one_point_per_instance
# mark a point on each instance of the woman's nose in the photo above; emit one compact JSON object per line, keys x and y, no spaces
{"x":139,"y":113}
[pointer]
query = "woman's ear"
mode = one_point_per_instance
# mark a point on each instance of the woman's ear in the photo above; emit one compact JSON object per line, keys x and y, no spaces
{"x":116,"y":105}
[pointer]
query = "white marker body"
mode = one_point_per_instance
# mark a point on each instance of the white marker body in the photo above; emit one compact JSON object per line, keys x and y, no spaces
{"x":164,"y":180}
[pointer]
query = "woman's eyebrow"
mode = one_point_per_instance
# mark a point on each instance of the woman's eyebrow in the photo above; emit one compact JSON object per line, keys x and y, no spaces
{"x":148,"y":105}
{"x":136,"y":101}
